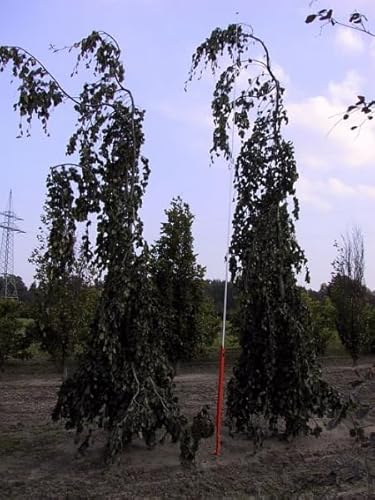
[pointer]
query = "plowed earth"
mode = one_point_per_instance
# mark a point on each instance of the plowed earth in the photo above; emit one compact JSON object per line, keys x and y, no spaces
{"x":38,"y":458}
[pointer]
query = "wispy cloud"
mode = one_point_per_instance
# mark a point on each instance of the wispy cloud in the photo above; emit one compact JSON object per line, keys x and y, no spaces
{"x":326,"y":138}
{"x":323,"y":194}
{"x":309,"y":192}
{"x":349,"y":41}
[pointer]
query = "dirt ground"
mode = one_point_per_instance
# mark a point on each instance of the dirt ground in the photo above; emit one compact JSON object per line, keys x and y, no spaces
{"x":38,"y":458}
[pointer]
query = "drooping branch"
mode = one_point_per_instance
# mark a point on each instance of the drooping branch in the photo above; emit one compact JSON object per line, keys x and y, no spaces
{"x":357,"y":22}
{"x":40,"y":90}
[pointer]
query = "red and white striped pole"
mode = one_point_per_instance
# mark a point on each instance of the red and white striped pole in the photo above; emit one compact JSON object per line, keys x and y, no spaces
{"x":221,"y":378}
{"x":220,"y":398}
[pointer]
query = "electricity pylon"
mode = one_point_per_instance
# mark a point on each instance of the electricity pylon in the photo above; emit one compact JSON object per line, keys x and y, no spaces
{"x":9,"y":228}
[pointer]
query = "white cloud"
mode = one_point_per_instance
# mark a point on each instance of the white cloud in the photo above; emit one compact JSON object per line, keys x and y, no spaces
{"x":281,"y":74}
{"x":338,"y":188}
{"x":313,"y":160}
{"x":372,"y":49}
{"x":341,"y":93}
{"x":366,"y":191}
{"x":322,"y":194}
{"x":309,"y":191}
{"x":329,"y":139}
{"x":349,"y":41}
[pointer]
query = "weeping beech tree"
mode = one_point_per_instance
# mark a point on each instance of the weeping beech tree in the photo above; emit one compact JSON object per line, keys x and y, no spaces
{"x":276,"y":383}
{"x":124,"y":381}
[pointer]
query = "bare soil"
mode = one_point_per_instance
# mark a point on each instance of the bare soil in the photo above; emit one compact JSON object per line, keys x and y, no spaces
{"x":38,"y":458}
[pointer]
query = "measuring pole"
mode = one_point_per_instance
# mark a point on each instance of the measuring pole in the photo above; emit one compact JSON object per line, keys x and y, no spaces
{"x":220,"y":395}
{"x":221,"y":377}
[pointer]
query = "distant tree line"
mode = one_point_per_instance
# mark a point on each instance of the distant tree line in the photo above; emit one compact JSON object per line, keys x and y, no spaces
{"x":329,"y":308}
{"x":214,"y":289}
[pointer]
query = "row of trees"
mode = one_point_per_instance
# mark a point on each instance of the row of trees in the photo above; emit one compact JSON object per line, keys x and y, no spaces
{"x":59,"y":323}
{"x":61,"y":315}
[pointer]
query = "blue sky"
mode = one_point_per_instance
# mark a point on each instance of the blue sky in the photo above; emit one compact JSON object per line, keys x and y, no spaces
{"x":322,"y":72}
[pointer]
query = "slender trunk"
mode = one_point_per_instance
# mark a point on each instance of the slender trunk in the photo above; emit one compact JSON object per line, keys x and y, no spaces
{"x":352,"y":333}
{"x":64,"y":367}
{"x":64,"y":371}
{"x":177,"y":367}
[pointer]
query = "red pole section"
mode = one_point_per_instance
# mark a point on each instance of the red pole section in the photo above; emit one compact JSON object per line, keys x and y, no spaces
{"x":220,"y":399}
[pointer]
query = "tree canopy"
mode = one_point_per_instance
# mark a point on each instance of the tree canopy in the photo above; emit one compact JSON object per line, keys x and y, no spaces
{"x":349,"y":294}
{"x":14,"y":343}
{"x":189,"y":320}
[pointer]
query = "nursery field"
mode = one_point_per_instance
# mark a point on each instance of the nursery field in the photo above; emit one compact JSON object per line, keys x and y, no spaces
{"x":38,"y":458}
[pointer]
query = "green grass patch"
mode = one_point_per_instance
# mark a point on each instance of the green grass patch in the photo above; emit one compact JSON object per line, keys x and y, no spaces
{"x":335,"y":347}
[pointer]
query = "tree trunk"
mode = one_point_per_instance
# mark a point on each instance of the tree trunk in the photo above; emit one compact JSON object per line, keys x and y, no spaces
{"x":64,"y":368}
{"x":177,"y":367}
